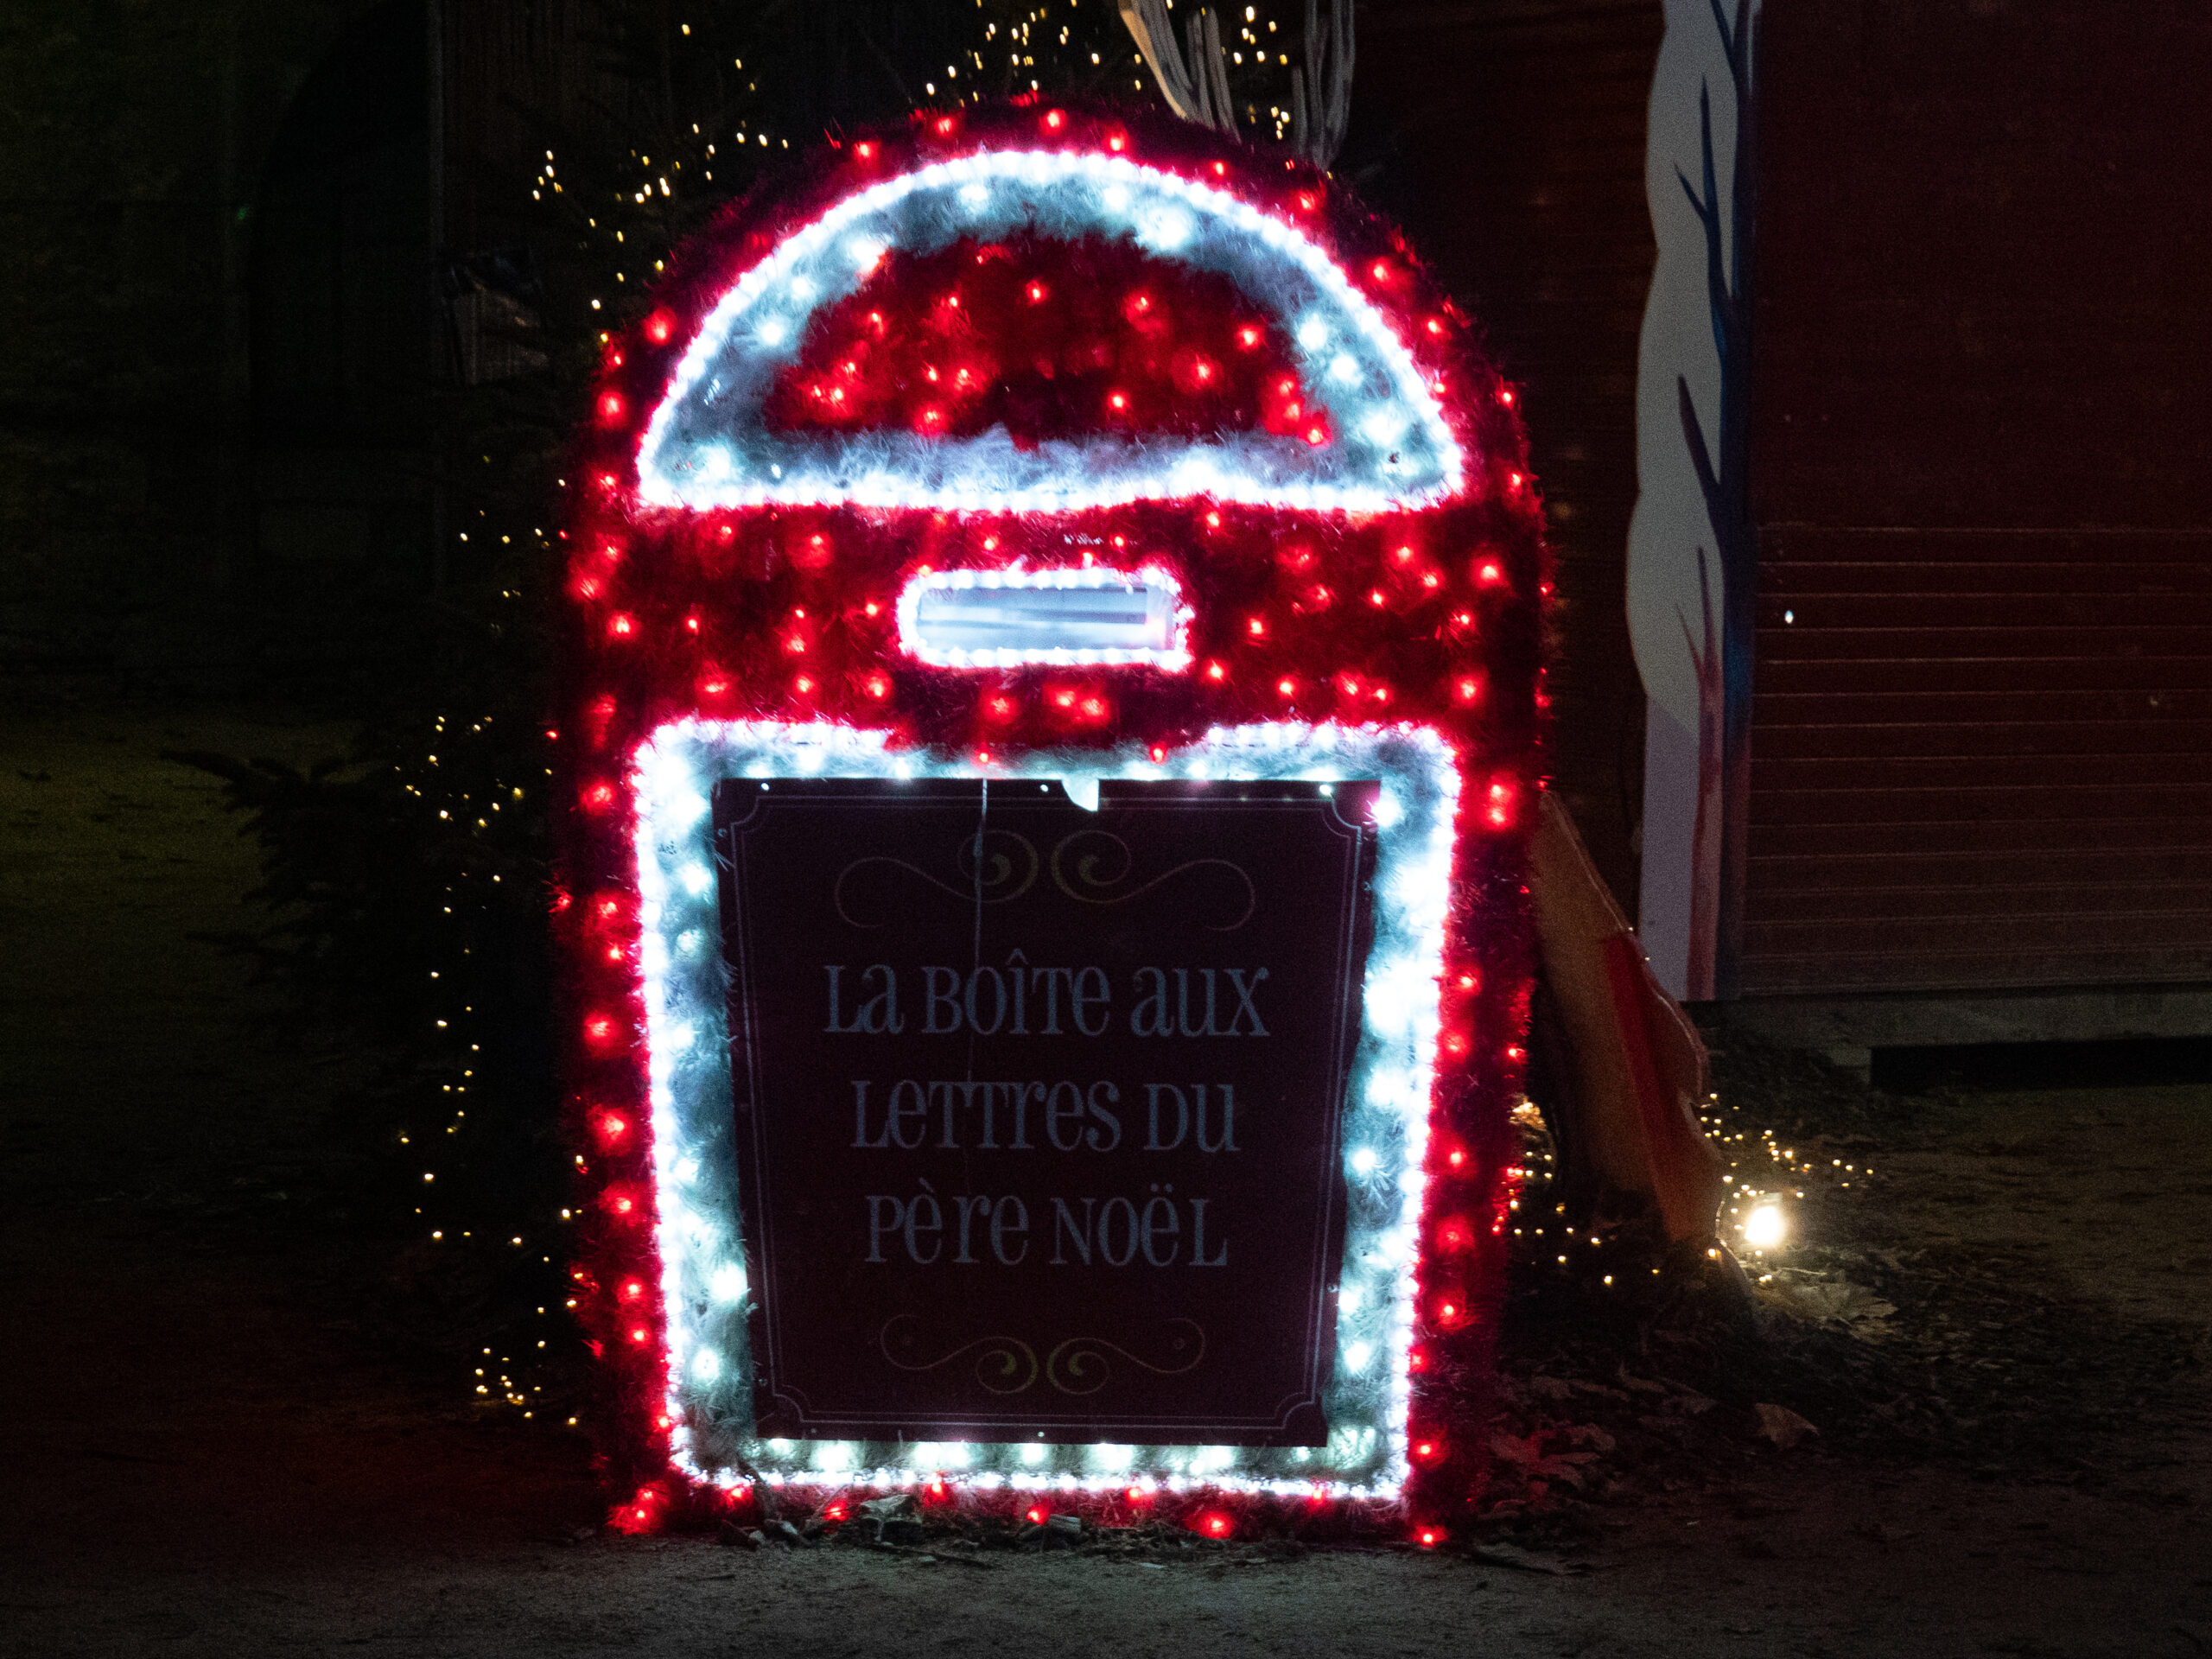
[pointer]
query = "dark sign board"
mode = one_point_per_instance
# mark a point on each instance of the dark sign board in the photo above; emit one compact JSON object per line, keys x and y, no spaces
{"x":1037,"y":1107}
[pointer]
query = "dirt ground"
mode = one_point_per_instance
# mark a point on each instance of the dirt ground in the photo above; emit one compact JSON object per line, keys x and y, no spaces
{"x":209,"y":1453}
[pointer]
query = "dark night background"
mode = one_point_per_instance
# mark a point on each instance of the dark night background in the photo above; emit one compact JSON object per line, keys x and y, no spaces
{"x":290,"y":345}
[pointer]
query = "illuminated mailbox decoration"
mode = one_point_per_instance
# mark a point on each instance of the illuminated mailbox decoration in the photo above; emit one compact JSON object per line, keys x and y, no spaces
{"x":1055,"y":636}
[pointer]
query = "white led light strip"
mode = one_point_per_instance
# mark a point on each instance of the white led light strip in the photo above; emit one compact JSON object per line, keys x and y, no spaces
{"x":1386,"y":1113}
{"x":1158,"y":611}
{"x":706,"y":447}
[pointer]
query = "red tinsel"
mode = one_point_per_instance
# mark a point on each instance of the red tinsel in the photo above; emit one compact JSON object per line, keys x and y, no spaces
{"x":1429,"y":616}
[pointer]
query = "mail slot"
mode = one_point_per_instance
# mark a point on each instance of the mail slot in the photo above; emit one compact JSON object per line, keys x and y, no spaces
{"x":969,"y":619}
{"x":1054,"y":642}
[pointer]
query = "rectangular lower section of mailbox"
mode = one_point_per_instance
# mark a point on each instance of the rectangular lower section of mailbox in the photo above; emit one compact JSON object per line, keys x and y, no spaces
{"x":1062,"y":1126}
{"x":1038,"y":1105}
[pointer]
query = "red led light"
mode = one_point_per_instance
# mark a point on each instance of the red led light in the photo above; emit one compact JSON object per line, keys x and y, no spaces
{"x":622,"y":626}
{"x":1489,"y":574}
{"x":598,"y":1029}
{"x":610,"y":406}
{"x":1036,"y":1514}
{"x":944,"y":348}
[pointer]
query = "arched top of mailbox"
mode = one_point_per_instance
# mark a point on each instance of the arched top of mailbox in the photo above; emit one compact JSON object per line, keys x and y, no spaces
{"x":708,"y":447}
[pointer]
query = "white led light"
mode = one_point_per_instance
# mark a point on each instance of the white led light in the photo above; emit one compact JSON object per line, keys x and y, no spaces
{"x":726,"y":1282}
{"x":1385,"y":1110}
{"x":708,"y":447}
{"x":1765,"y":1227}
{"x":1001,"y":619}
{"x":706,"y":1365}
{"x":1165,"y":229}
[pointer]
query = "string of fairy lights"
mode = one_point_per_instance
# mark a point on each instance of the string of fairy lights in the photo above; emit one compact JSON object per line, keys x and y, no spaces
{"x":1760,"y":1220}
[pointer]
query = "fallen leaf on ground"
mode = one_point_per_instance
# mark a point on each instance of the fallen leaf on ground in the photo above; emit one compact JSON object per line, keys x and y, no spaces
{"x":1783,"y":1427}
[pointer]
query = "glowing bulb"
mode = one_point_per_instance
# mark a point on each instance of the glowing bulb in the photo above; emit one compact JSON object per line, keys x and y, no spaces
{"x":1765,"y":1227}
